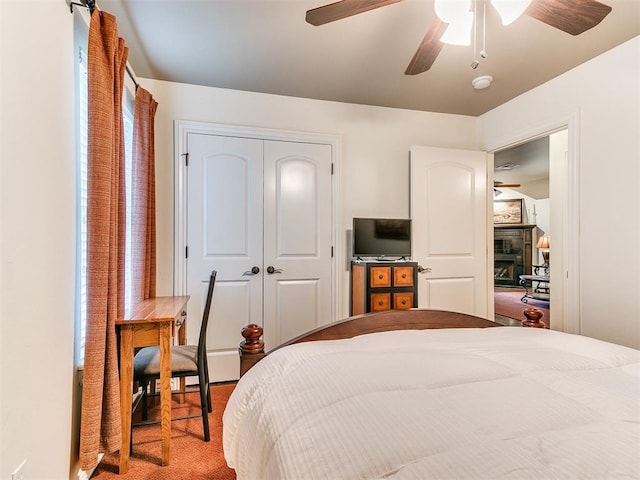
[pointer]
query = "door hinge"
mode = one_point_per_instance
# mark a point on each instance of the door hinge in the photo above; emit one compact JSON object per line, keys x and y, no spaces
{"x":332,"y":169}
{"x":186,"y":251}
{"x":331,"y":251}
{"x":186,"y":159}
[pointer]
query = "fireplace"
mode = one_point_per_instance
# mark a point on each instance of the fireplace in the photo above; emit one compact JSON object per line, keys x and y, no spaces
{"x":506,"y":269}
{"x":512,"y":253}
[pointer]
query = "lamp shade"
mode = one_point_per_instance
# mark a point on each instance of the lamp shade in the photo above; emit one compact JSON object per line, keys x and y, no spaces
{"x":459,"y":17}
{"x":543,"y":242}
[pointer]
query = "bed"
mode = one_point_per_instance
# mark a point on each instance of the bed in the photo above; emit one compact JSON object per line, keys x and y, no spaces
{"x":425,"y":394}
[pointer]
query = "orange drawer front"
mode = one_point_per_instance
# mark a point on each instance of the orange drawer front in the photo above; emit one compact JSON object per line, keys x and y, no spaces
{"x":380,"y":302}
{"x":402,"y":300}
{"x":403,"y":276}
{"x":380,"y":277}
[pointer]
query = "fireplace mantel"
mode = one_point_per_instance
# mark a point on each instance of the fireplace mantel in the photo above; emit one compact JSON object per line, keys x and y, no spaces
{"x":513,"y":225}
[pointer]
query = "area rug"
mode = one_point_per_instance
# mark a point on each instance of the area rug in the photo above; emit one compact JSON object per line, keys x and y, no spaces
{"x":508,"y":304}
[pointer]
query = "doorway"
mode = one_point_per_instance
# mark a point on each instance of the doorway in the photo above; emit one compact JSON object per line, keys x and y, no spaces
{"x":525,"y":175}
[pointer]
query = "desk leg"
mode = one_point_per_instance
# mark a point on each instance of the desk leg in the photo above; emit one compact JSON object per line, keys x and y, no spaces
{"x":126,"y":394}
{"x":182,"y":340}
{"x":165,"y":389}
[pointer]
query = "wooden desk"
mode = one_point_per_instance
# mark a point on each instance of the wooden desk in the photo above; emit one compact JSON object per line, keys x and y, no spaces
{"x":151,"y":322}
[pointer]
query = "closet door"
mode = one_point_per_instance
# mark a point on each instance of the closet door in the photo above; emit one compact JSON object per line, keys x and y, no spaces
{"x":225,"y":233}
{"x":297,"y":239}
{"x":260,"y":213}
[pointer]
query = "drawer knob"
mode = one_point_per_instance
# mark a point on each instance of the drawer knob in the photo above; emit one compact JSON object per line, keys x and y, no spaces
{"x":380,"y":303}
{"x":380,"y":276}
{"x":404,"y":275}
{"x":404,"y":302}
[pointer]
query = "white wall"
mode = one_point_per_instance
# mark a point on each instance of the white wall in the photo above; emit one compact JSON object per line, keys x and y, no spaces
{"x":604,"y":95}
{"x":375,"y":155}
{"x":38,"y":237}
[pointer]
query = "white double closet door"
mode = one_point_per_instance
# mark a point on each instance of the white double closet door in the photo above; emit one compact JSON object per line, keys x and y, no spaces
{"x":259,"y":212}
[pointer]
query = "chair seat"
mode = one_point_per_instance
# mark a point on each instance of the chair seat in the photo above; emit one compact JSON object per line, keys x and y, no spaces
{"x":146,"y":362}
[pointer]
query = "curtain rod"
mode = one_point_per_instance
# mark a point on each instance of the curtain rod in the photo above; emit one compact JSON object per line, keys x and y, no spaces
{"x":91,"y":5}
{"x":130,"y":73}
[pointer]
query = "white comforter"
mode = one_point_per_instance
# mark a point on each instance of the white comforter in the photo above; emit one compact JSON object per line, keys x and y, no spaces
{"x":517,"y":403}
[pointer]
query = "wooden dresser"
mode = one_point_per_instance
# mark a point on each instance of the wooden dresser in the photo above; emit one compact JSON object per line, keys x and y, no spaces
{"x":379,"y":286}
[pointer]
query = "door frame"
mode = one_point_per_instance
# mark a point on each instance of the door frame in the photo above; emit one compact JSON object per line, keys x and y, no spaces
{"x":567,"y":280}
{"x":182,"y":128}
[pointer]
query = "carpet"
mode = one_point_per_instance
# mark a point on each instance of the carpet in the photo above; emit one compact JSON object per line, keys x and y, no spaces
{"x":191,"y":457}
{"x":508,"y":304}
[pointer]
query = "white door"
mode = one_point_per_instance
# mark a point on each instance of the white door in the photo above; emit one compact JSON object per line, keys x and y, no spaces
{"x":224,"y":233}
{"x":449,"y":228}
{"x":297,"y":239}
{"x":241,"y":204}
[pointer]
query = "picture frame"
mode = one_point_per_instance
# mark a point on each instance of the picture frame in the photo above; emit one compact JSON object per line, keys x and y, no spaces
{"x":507,"y":211}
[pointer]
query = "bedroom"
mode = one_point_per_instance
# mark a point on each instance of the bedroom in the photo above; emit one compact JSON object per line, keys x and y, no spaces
{"x":40,"y":177}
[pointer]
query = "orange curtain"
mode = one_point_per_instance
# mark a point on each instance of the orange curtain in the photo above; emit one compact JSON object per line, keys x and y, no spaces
{"x":100,"y":417}
{"x":143,"y":190}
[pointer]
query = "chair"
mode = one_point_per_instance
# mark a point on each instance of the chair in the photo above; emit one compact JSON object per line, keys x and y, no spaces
{"x":186,"y":361}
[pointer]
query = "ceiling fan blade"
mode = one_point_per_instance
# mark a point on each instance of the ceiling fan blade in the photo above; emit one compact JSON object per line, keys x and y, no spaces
{"x":571,"y":16}
{"x":506,"y":185}
{"x":342,"y":9}
{"x":428,"y":50}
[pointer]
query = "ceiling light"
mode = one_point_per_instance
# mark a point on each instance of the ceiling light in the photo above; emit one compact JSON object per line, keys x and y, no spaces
{"x":459,"y":17}
{"x":510,"y":10}
{"x":482,"y":82}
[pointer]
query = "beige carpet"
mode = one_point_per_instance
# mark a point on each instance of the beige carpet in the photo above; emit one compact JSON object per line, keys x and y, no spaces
{"x":191,"y":457}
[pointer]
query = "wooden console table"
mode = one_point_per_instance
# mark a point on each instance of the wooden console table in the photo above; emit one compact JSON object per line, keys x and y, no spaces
{"x":151,"y":322}
{"x":379,"y":286}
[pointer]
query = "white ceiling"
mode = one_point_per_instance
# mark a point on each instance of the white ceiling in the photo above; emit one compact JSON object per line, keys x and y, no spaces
{"x":266,"y":46}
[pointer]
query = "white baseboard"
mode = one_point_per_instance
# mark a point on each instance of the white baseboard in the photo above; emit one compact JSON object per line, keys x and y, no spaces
{"x":86,"y":475}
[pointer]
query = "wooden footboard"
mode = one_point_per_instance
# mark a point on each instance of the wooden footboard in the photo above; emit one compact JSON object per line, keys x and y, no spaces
{"x":252,"y":348}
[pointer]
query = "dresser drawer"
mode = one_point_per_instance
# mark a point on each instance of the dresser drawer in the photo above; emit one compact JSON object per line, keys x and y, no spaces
{"x":403,"y":276}
{"x":402,"y":300}
{"x":380,"y":302}
{"x":380,"y":277}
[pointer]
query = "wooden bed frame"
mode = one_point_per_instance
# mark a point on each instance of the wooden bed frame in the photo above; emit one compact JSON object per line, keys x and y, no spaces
{"x":252,"y":348}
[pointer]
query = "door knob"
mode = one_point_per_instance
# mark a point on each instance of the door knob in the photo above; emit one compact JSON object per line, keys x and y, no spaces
{"x":422,"y":269}
{"x":271,"y":270}
{"x":254,"y":271}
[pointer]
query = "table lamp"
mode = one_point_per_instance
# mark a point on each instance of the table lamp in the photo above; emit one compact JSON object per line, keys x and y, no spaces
{"x":544,"y":243}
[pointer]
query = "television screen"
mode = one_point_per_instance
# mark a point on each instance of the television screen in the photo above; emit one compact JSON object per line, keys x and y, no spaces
{"x":381,"y":237}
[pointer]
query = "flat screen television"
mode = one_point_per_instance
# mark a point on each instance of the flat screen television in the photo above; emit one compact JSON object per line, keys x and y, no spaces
{"x":381,"y":237}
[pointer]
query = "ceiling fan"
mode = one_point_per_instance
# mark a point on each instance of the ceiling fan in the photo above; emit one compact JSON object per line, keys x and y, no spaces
{"x":570,"y":16}
{"x":497,"y":185}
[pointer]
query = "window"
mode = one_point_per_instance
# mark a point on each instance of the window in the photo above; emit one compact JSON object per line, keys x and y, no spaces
{"x":82,"y":149}
{"x":127,"y":114}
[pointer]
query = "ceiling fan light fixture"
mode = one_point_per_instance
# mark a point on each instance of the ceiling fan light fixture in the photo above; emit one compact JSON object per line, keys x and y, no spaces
{"x":510,"y":10}
{"x":459,"y":33}
{"x":458,"y":15}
